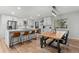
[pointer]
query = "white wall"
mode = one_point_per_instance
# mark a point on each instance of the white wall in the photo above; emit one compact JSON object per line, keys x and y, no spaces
{"x":0,"y":21}
{"x":31,"y":23}
{"x":73,"y":24}
{"x":3,"y":25}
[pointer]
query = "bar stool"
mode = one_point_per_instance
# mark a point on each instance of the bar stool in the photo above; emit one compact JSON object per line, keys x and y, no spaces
{"x":37,"y":33}
{"x":32,"y":34}
{"x":25,"y":34}
{"x":15,"y":35}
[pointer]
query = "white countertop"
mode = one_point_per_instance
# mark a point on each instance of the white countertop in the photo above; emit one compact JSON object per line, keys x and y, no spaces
{"x":24,"y":29}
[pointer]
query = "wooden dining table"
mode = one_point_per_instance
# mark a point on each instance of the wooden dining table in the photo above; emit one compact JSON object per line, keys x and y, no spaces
{"x":53,"y":35}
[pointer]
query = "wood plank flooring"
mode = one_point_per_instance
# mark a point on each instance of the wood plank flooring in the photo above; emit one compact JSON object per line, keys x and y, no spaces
{"x":34,"y":47}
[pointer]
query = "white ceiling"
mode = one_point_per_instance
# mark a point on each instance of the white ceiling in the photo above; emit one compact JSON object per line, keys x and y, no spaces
{"x":26,"y":11}
{"x":67,"y":9}
{"x":34,"y":11}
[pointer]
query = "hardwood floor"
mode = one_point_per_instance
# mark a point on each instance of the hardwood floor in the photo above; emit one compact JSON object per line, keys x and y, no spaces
{"x":34,"y":47}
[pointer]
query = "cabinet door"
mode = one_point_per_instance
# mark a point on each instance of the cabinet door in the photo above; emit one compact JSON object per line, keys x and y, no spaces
{"x":47,"y":29}
{"x":31,"y":23}
{"x":47,"y":21}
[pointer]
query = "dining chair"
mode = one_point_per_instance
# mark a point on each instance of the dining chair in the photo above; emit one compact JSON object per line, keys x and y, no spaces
{"x":64,"y":40}
{"x":37,"y":33}
{"x":32,"y":35}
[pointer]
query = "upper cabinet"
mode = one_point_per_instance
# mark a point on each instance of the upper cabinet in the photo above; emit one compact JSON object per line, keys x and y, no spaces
{"x":47,"y":21}
{"x":31,"y":23}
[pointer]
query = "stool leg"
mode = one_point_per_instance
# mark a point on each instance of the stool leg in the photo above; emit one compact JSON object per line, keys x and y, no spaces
{"x":11,"y":42}
{"x":21,"y":38}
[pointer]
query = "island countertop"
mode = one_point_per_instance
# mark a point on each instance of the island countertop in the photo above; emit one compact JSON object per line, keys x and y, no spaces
{"x":24,"y":29}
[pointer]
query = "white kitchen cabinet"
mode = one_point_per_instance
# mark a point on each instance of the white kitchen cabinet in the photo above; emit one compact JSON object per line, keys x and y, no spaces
{"x":47,"y":21}
{"x":31,"y":23}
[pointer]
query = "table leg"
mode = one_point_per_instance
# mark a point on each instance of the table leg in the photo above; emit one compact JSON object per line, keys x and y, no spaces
{"x":41,"y":42}
{"x":58,"y":46}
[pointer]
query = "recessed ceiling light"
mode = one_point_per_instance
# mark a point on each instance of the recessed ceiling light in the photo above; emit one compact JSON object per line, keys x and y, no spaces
{"x":12,"y":12}
{"x":19,"y":8}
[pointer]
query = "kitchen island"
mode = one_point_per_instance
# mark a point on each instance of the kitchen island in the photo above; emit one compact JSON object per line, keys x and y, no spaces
{"x":8,"y":34}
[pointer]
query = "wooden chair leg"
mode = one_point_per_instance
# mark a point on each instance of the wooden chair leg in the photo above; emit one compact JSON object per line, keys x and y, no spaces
{"x":11,"y":42}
